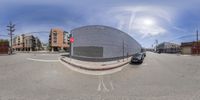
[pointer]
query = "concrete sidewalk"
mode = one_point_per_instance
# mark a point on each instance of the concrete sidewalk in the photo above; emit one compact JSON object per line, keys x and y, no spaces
{"x":95,"y":66}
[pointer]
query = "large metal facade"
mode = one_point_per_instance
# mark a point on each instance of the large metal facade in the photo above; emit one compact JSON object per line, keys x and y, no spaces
{"x":100,"y":42}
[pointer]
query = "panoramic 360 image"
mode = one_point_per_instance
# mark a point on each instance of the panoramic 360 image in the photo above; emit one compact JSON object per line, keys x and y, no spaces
{"x":99,"y":50}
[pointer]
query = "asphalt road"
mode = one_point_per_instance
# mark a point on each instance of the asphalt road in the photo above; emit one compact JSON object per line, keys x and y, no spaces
{"x":160,"y":77}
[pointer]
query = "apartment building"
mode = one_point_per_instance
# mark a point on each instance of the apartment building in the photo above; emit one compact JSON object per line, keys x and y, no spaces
{"x":29,"y":43}
{"x":58,"y":40}
{"x":38,"y":44}
{"x":26,"y":43}
{"x":18,"y":43}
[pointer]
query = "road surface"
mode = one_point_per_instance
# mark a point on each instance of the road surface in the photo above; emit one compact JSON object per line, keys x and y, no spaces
{"x":160,"y":77}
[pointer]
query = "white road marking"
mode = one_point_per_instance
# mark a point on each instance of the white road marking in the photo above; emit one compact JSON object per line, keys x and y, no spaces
{"x":99,"y":87}
{"x":104,"y":86}
{"x":111,"y":84}
{"x":42,"y":60}
{"x":101,"y":83}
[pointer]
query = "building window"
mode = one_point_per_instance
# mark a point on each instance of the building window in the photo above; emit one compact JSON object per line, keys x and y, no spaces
{"x":54,"y":34}
{"x":64,"y":38}
{"x":54,"y":37}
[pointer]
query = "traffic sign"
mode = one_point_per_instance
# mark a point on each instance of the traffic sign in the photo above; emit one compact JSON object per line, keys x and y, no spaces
{"x":71,"y":39}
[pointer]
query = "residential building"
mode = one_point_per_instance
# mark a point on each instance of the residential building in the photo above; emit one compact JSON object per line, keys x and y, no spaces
{"x":29,"y":43}
{"x":58,"y":40}
{"x":26,"y":43}
{"x":190,"y":47}
{"x":18,"y":43}
{"x":150,"y":49}
{"x":38,"y":44}
{"x":102,"y":43}
{"x":167,"y":47}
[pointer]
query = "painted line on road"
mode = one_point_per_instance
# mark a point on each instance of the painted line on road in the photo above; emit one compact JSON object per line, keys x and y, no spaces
{"x":101,"y":83}
{"x":111,"y":84}
{"x":42,"y":60}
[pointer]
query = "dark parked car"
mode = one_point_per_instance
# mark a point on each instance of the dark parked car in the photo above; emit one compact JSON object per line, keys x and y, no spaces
{"x":137,"y":58}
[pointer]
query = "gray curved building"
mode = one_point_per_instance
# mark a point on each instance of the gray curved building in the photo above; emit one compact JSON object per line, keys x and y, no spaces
{"x":97,"y":42}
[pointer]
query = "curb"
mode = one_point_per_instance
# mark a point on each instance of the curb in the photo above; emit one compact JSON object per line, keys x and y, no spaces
{"x":7,"y":54}
{"x":93,"y":69}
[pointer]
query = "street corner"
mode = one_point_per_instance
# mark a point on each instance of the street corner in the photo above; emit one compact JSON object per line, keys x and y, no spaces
{"x":49,"y":58}
{"x":94,"y":68}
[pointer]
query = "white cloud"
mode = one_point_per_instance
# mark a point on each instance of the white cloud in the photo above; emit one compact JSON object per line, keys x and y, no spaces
{"x":146,"y":27}
{"x":143,"y":20}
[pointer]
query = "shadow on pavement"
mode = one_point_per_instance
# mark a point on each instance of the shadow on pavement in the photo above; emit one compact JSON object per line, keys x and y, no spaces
{"x":65,"y":55}
{"x":135,"y":65}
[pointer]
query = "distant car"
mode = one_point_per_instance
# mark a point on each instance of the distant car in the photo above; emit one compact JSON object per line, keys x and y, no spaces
{"x":137,"y":58}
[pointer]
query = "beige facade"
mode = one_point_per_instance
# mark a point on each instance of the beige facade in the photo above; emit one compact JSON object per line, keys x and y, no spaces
{"x":186,"y":50}
{"x":18,"y":43}
{"x":29,"y":43}
{"x":167,"y":47}
{"x":190,"y":47}
{"x":26,"y":43}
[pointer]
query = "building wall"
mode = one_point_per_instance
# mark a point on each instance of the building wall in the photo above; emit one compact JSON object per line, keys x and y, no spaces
{"x":190,"y":47}
{"x":167,"y":47}
{"x":26,"y":43}
{"x":29,"y":41}
{"x":186,"y":50}
{"x":4,"y":46}
{"x":102,"y":42}
{"x":38,"y":44}
{"x":59,"y":38}
{"x":18,"y":42}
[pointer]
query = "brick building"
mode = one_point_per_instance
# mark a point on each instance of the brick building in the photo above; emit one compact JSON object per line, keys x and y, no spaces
{"x":58,"y":40}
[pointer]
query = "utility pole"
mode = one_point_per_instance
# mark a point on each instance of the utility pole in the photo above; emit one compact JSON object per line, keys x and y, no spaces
{"x":156,"y":44}
{"x":123,"y":50}
{"x":197,"y":46}
{"x":11,"y":29}
{"x":197,"y":36}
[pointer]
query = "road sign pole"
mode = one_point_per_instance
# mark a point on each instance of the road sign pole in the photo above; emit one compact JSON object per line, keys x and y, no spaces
{"x":71,"y":46}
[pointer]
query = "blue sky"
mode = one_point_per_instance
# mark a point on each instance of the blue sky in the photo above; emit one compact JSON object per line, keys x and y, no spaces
{"x":145,"y":21}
